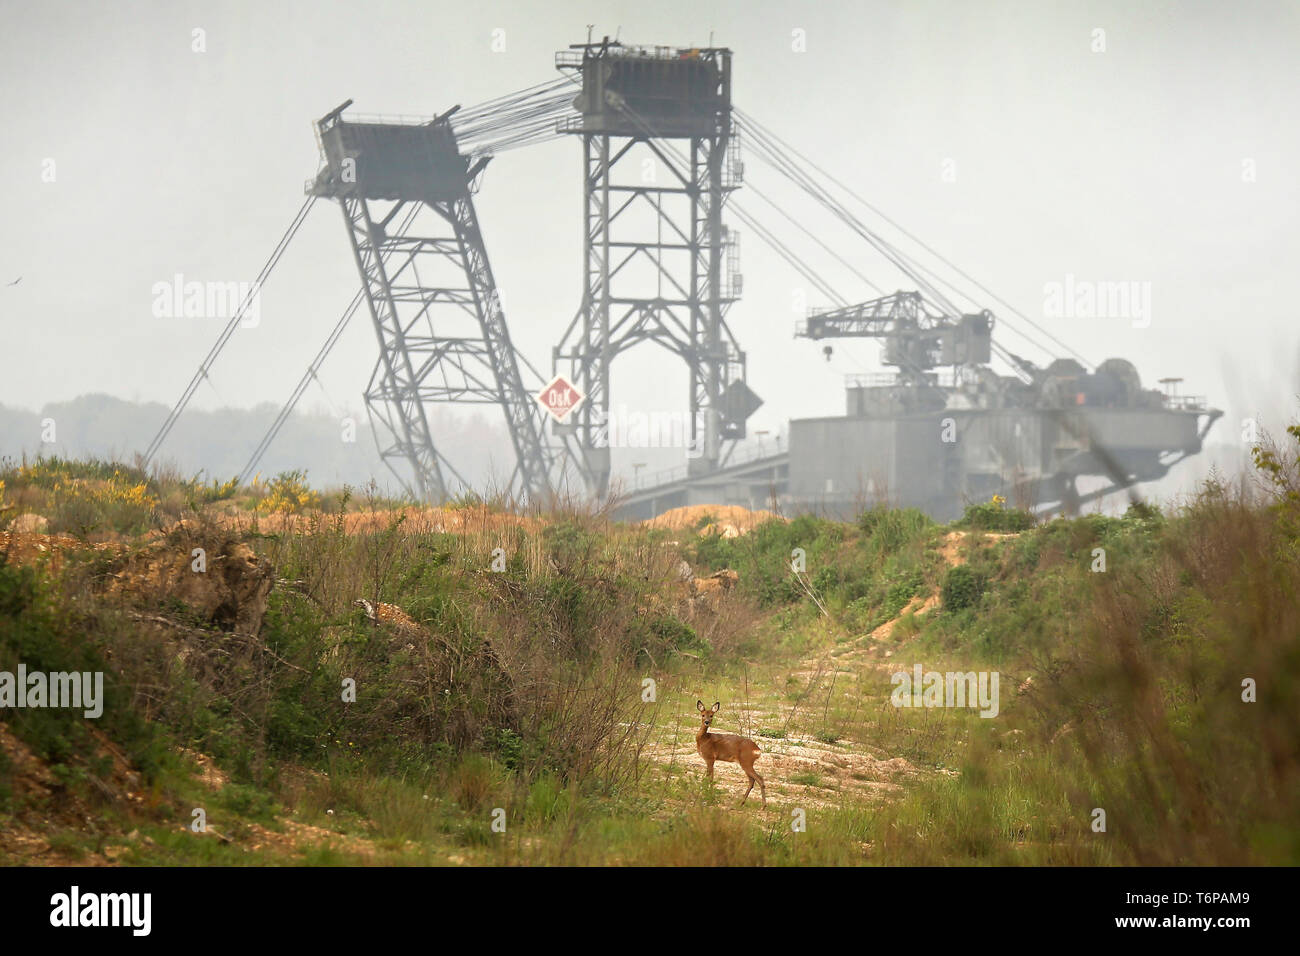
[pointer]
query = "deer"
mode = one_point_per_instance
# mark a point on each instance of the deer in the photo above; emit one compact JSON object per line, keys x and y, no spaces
{"x":731,"y":748}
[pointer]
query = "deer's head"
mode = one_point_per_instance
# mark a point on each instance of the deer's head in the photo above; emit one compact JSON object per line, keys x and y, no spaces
{"x":706,"y":713}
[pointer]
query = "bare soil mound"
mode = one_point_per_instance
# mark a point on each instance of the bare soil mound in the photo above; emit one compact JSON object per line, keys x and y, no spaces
{"x":218,"y":576}
{"x":727,"y":520}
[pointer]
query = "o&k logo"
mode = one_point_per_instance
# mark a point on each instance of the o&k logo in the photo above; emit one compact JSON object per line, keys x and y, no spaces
{"x":559,"y":398}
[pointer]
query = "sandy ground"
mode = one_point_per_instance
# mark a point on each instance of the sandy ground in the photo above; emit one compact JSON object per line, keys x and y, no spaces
{"x":727,"y":520}
{"x":810,"y":772}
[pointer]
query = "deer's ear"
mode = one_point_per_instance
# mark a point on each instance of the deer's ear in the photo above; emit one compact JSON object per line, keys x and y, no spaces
{"x":699,"y":705}
{"x":717,"y":706}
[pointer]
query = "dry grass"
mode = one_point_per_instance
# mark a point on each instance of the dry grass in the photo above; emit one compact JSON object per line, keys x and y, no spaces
{"x":523,"y":686}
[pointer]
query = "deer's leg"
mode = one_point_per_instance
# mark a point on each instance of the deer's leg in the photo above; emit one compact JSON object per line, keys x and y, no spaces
{"x":709,"y":767}
{"x":752,"y":774}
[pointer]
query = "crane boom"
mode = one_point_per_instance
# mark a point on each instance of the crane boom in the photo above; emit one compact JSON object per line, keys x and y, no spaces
{"x":916,"y":339}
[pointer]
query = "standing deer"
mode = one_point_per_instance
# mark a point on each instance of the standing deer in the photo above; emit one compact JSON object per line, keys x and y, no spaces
{"x":731,"y":748}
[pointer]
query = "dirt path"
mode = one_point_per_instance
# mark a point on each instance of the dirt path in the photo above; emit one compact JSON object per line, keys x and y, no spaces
{"x":799,"y":772}
{"x":800,"y":769}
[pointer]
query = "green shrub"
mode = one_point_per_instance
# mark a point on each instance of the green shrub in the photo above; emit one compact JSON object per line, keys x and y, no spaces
{"x":962,"y":588}
{"x":996,"y":516}
{"x":37,"y":632}
{"x":506,"y":745}
{"x":889,"y":529}
{"x":247,"y":801}
{"x":572,"y":546}
{"x":673,"y":634}
{"x":547,"y":799}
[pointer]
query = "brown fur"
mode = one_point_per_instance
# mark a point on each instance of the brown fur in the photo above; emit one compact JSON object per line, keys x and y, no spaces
{"x":729,"y":748}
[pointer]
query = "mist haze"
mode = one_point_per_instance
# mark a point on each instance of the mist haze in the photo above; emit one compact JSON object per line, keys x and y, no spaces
{"x":995,"y":134}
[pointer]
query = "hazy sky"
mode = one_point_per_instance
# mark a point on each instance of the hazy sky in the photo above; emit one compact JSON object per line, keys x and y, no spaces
{"x":991,"y":130}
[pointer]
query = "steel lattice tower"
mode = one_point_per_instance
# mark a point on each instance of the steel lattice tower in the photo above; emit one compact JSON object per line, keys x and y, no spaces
{"x":406,"y":195}
{"x":675,"y":104}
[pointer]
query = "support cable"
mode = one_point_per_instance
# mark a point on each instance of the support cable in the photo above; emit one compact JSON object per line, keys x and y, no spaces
{"x":331,"y":340}
{"x":226,"y":333}
{"x":753,"y":125}
{"x":768,"y":237}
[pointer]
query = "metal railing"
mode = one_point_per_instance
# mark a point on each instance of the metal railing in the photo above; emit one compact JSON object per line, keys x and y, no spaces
{"x":655,"y":478}
{"x":870,"y":380}
{"x":570,"y":58}
{"x":677,"y":473}
{"x":945,"y":377}
{"x":400,"y":119}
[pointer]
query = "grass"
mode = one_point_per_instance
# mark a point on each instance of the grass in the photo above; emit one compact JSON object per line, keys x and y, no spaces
{"x":519,"y":732}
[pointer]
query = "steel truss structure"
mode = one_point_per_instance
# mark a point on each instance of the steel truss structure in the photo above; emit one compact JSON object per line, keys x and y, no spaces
{"x":659,"y":264}
{"x":406,"y":196}
{"x":660,"y":163}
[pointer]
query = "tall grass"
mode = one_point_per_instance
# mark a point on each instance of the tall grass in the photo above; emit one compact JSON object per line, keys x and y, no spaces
{"x":525,"y":686}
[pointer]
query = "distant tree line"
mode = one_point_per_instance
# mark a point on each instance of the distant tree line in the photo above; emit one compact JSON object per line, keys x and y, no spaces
{"x":332,"y":450}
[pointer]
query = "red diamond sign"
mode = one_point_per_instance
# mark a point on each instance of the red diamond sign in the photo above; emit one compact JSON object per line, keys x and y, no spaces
{"x":559,"y":398}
